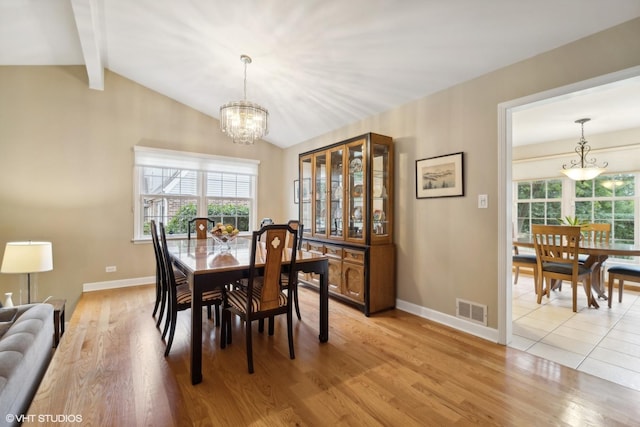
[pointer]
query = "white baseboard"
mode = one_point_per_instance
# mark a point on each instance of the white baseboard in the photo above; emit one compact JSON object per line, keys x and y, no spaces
{"x":114,"y":284}
{"x":481,"y":331}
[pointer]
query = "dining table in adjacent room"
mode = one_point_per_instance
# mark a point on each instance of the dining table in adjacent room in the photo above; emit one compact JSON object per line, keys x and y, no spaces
{"x":209,"y":265}
{"x":597,"y":253}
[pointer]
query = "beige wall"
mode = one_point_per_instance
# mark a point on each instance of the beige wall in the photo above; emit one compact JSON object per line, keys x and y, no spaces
{"x":448,"y":248}
{"x":66,"y":170}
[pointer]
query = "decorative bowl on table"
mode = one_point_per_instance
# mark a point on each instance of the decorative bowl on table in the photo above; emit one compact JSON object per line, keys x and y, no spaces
{"x":223,"y":235}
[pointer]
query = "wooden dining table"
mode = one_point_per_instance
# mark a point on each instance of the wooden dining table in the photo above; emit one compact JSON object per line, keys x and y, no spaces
{"x":597,"y":253}
{"x":209,"y":265}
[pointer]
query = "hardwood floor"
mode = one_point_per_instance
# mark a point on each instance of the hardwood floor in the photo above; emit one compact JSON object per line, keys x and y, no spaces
{"x":390,"y":369}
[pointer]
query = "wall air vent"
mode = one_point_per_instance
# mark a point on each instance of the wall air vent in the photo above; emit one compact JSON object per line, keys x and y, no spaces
{"x":471,"y":311}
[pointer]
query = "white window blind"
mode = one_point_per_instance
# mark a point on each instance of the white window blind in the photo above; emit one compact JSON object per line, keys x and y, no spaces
{"x":156,"y":157}
{"x":174,"y":186}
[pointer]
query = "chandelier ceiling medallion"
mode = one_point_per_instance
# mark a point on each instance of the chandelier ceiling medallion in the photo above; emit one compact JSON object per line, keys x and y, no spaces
{"x":583,"y":168}
{"x":244,"y":121}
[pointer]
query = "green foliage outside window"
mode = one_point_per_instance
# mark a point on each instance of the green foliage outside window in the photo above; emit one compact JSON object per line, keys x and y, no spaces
{"x":226,"y":213}
{"x":539,"y":202}
{"x":608,"y":199}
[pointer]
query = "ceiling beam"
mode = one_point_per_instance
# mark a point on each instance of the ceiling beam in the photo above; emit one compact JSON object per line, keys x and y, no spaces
{"x":86,"y":16}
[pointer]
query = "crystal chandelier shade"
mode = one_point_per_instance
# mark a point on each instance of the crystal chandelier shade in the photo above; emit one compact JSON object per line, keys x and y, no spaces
{"x":244,"y":121}
{"x":583,"y":169}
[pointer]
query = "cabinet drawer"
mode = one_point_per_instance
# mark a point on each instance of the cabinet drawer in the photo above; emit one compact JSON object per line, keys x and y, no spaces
{"x":315,"y":247}
{"x":333,"y":251}
{"x":353,"y":255}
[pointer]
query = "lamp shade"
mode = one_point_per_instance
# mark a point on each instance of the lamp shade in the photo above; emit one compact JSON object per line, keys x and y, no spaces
{"x":582,"y":174}
{"x":27,"y":257}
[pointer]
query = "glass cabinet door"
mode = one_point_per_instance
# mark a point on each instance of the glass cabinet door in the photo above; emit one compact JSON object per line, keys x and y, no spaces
{"x":320,"y":195}
{"x":380,"y":183}
{"x":306,"y":168}
{"x":356,"y":191}
{"x":336,"y":194}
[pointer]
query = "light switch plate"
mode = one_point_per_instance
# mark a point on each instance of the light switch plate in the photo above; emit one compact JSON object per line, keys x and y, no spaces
{"x":483,"y":201}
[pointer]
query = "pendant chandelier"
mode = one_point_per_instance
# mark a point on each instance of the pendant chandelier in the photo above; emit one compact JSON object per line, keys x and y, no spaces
{"x":244,"y":121}
{"x":583,"y":169}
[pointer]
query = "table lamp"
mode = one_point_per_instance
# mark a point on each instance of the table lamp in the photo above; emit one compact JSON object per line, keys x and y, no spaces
{"x":27,"y":257}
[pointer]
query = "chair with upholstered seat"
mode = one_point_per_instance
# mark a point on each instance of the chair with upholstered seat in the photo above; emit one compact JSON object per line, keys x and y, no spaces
{"x":523,"y":261}
{"x":161,"y":291}
{"x":557,"y":253}
{"x":622,"y":273}
{"x":179,"y":295}
{"x":597,"y":232}
{"x":268,"y":246}
{"x":200,"y":226}
{"x":284,"y":280}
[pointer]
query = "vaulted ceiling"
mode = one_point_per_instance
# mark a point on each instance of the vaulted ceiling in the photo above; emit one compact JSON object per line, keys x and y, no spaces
{"x":317,"y":64}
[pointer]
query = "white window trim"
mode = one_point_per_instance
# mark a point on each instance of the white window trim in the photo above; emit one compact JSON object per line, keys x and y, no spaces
{"x":162,"y":158}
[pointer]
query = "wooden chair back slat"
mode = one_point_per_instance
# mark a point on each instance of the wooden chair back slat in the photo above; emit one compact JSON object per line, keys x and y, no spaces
{"x":597,"y":232}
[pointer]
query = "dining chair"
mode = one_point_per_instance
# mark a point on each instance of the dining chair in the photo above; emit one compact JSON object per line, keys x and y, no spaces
{"x":523,"y":261}
{"x":284,"y":278}
{"x":292,"y":288}
{"x":201,"y":227}
{"x":557,"y":249}
{"x":179,"y":295}
{"x":597,"y":232}
{"x":161,"y":291}
{"x":622,"y":273}
{"x":266,"y":300}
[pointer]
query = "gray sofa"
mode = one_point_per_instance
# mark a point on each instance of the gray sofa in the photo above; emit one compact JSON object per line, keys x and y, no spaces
{"x":26,"y":347}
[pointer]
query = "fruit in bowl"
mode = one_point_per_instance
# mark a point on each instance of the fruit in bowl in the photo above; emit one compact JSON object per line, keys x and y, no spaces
{"x":224,"y":233}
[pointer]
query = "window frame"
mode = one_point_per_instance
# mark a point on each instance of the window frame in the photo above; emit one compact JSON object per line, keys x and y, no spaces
{"x":200,"y":163}
{"x":568,"y":206}
{"x":546,"y":200}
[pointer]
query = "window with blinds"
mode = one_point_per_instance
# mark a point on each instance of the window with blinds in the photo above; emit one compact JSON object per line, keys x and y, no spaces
{"x":173,"y":187}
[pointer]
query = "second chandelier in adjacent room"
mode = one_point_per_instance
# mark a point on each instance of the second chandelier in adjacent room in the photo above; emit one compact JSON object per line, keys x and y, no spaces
{"x":583,"y":168}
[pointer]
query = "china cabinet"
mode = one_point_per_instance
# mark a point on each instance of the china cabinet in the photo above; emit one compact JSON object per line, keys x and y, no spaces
{"x":346,"y":208}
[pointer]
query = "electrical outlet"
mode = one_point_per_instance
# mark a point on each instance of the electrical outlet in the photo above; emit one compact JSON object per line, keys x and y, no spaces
{"x":110,"y":269}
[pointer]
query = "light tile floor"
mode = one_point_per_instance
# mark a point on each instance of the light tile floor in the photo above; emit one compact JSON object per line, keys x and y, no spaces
{"x":603,"y":342}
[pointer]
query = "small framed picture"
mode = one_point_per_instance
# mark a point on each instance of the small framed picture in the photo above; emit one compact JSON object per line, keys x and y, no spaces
{"x":441,"y":176}
{"x":296,"y":191}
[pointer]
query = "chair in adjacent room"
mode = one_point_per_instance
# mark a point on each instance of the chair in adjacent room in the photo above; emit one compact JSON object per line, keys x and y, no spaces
{"x":597,"y":232}
{"x":266,"y":300}
{"x":557,"y":253}
{"x":161,"y":291}
{"x":179,"y":296}
{"x":524,"y":261}
{"x":622,"y":273}
{"x":201,"y":227}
